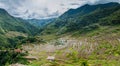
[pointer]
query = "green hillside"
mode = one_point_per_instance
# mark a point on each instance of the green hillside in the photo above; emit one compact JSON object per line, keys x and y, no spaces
{"x":11,"y":26}
{"x":10,"y":23}
{"x":85,"y":18}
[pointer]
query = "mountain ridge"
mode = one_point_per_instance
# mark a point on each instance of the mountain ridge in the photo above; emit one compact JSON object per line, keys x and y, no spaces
{"x":78,"y":22}
{"x":86,"y":7}
{"x":12,"y":27}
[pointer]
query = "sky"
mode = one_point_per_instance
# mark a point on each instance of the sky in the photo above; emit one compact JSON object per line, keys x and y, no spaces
{"x":44,"y":9}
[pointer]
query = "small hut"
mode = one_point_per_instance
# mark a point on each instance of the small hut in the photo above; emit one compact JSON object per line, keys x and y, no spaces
{"x":51,"y":58}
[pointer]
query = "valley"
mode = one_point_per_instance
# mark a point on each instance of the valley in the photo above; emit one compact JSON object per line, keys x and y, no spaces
{"x":85,"y":36}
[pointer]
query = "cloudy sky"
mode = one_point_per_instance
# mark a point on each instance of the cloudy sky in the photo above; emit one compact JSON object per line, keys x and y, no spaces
{"x":41,"y":9}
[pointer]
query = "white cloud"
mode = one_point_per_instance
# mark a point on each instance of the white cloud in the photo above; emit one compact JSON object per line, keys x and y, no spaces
{"x":44,"y":8}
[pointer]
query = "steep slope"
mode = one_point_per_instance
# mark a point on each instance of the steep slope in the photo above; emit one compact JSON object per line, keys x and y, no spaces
{"x":11,"y":27}
{"x":10,"y":23}
{"x":85,"y":18}
{"x":86,"y":9}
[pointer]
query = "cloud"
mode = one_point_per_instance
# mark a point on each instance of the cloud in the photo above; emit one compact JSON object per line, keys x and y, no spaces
{"x":41,"y":9}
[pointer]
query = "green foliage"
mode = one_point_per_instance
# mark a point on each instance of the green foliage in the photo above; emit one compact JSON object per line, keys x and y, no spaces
{"x":9,"y":57}
{"x":84,"y":63}
{"x":6,"y":43}
{"x":73,"y":55}
{"x":32,"y":39}
{"x":113,"y":19}
{"x":89,"y":29}
{"x":3,"y":42}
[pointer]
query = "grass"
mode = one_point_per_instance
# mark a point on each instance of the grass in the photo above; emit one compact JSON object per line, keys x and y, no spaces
{"x":103,"y":63}
{"x":15,"y":34}
{"x":80,"y":62}
{"x":49,"y":37}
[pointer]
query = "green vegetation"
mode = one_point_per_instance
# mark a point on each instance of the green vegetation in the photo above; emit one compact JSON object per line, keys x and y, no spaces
{"x":32,"y":40}
{"x":12,"y":32}
{"x":97,"y":25}
{"x":85,"y":19}
{"x":9,"y":56}
{"x":10,"y":26}
{"x":9,"y":23}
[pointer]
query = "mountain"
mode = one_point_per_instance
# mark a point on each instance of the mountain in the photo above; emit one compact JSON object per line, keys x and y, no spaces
{"x":84,"y":19}
{"x":86,"y":9}
{"x":10,"y":23}
{"x":12,"y":27}
{"x":40,"y":23}
{"x":86,"y":36}
{"x":89,"y":35}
